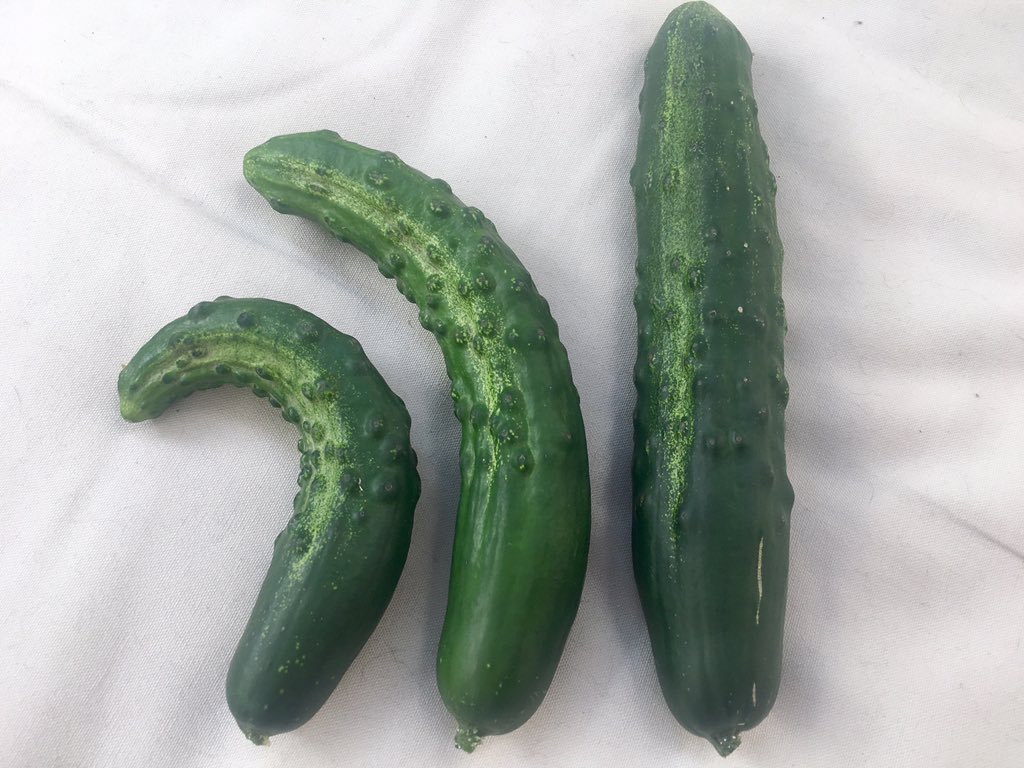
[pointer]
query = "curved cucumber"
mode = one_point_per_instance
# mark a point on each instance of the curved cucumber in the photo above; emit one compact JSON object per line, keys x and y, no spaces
{"x":337,"y":562}
{"x":711,"y":497}
{"x":523,"y":524}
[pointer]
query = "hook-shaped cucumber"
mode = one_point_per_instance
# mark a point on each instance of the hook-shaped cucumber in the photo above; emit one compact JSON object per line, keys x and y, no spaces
{"x":337,"y":563}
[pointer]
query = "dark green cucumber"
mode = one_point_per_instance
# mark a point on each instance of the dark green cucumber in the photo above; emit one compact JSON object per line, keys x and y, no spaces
{"x":523,"y":524}
{"x":711,"y":496}
{"x":337,"y":562}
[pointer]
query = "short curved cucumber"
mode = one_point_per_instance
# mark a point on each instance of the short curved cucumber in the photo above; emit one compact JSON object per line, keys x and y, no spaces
{"x":337,"y":563}
{"x":523,"y":524}
{"x":711,"y":496}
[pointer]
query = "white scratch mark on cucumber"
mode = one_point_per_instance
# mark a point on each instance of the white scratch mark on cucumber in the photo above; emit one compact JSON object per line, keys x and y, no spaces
{"x":760,"y":584}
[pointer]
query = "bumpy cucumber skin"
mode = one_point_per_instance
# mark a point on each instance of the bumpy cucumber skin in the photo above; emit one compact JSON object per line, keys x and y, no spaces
{"x":523,"y":526}
{"x":711,"y":497}
{"x":337,"y":563}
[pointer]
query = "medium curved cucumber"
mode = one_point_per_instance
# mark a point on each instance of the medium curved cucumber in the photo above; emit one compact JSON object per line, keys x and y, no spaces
{"x":337,"y":562}
{"x":523,"y":524}
{"x":711,"y":497}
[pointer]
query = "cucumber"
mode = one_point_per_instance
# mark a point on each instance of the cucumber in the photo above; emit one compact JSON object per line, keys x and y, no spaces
{"x":336,"y":564}
{"x":523,"y":525}
{"x":710,"y":494}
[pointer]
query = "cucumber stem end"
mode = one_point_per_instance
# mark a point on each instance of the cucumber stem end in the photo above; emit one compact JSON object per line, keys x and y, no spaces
{"x":467,"y":738}
{"x":726,"y":743}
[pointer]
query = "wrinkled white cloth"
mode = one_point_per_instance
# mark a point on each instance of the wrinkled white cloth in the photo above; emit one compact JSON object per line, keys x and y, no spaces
{"x":130,"y":554}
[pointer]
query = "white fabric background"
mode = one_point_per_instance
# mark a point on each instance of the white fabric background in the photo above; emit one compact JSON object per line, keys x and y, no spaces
{"x":130,"y":554}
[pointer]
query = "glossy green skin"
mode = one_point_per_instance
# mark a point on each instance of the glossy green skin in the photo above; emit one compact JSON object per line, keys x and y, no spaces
{"x":523,"y":526}
{"x":337,"y":563}
{"x":711,"y":496}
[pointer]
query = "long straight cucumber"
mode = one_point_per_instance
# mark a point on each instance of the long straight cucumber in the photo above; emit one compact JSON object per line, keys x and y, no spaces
{"x":523,"y":523}
{"x":337,"y":562}
{"x":711,"y":496}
